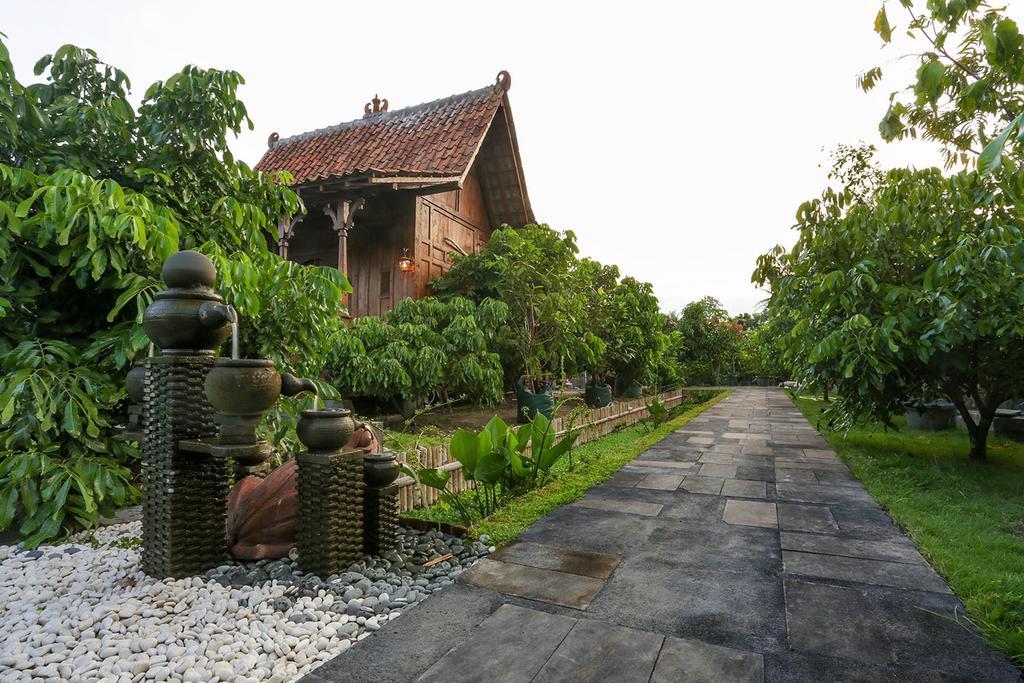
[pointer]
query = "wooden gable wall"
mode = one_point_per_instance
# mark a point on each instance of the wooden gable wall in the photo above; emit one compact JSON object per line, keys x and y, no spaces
{"x":458,"y":215}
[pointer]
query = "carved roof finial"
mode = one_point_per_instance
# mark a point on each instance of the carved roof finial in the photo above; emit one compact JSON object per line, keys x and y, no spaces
{"x":503,"y":82}
{"x":274,"y":137}
{"x":379,"y":105}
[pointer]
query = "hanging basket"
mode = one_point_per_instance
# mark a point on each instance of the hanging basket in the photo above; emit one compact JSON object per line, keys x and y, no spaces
{"x":597,"y":395}
{"x":528,"y":403}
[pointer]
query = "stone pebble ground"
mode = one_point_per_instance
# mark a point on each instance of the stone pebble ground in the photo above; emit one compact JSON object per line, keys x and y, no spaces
{"x":84,"y":610}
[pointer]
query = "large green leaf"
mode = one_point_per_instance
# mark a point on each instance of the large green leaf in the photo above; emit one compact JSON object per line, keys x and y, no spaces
{"x":433,"y":477}
{"x":491,"y":466}
{"x":464,"y":447}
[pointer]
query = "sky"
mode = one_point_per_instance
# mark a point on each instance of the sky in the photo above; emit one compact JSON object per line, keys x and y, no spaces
{"x":676,"y":141}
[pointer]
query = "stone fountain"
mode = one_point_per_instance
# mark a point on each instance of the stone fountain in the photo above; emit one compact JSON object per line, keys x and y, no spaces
{"x":196,"y":416}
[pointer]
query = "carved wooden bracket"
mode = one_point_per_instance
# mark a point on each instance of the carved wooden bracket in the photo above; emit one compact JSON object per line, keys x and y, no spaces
{"x":286,"y":231}
{"x":342,"y":214}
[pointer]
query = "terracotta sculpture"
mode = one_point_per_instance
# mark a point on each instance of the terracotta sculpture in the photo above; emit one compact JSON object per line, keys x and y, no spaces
{"x":262,"y":513}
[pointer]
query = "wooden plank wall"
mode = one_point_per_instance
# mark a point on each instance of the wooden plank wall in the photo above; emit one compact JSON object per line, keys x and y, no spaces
{"x":458,"y":215}
{"x":600,"y":422}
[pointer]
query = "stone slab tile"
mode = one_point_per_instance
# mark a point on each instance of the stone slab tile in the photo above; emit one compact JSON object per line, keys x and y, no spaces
{"x":738,"y":605}
{"x":661,"y":482}
{"x":528,"y":638}
{"x":718,"y":458}
{"x":709,"y":485}
{"x":800,"y":464}
{"x":750,"y":449}
{"x":885,"y":628}
{"x":695,"y":508}
{"x":795,"y":476}
{"x":664,"y":464}
{"x":595,"y":651}
{"x":702,"y":440}
{"x":692,"y":660}
{"x":889,"y":551}
{"x":717,"y":470}
{"x":837,"y":478}
{"x":629,"y":507}
{"x":755,"y":473}
{"x":858,"y":570}
{"x":742,"y":488}
{"x":750,"y":513}
{"x":544,"y":585}
{"x":624,"y":479}
{"x":801,"y":517}
{"x":725,"y":448}
{"x":819,"y":493}
{"x":568,"y":560}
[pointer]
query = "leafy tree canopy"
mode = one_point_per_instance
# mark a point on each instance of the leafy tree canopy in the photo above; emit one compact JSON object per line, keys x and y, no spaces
{"x":912,"y":292}
{"x":95,"y":195}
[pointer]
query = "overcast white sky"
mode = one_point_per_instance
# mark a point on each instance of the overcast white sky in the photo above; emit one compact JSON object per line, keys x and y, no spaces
{"x":676,"y":143}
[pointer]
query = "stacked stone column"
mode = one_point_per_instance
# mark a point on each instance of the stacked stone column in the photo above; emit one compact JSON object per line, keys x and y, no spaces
{"x":330,"y":529}
{"x":380,"y":519}
{"x":184,"y":499}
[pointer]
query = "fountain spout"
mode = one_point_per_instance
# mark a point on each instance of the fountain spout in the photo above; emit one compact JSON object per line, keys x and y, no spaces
{"x":215,"y":315}
{"x":292,"y":385}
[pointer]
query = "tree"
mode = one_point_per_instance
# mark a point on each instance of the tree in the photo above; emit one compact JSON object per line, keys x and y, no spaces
{"x":531,"y":270}
{"x":967,"y":92}
{"x":911,"y":292}
{"x":707,"y":345}
{"x":95,"y":195}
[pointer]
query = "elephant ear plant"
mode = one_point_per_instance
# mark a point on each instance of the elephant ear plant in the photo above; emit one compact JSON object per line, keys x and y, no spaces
{"x":502,"y":461}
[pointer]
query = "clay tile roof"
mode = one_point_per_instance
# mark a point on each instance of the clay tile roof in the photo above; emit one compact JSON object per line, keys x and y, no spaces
{"x":439,"y":138}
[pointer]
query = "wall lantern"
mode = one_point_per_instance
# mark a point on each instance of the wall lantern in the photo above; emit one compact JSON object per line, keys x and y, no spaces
{"x":405,"y":262}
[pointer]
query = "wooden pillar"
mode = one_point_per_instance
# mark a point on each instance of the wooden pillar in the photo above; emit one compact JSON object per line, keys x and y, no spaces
{"x":342,"y":214}
{"x":285,"y":233}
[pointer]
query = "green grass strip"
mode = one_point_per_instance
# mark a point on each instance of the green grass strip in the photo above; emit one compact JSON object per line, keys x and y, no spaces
{"x":594,"y":462}
{"x":966,"y":518}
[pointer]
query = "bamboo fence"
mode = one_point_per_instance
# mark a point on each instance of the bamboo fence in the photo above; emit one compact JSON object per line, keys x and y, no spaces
{"x":597,"y":423}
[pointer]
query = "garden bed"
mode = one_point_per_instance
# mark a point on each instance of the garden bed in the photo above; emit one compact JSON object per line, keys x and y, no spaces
{"x":966,"y":517}
{"x":591,"y":464}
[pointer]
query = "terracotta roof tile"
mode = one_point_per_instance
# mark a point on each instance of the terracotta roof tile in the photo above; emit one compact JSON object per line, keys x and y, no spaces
{"x":438,"y":138}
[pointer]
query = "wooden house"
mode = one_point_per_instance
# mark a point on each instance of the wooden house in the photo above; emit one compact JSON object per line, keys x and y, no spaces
{"x":391,"y":196}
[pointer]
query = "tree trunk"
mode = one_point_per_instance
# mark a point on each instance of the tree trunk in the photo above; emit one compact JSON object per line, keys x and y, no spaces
{"x":979,"y":435}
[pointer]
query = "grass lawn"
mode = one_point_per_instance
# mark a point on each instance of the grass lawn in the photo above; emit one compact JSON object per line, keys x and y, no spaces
{"x":966,"y":518}
{"x":592,"y":463}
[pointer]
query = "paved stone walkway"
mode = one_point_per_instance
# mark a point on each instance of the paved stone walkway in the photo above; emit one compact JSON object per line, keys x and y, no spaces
{"x":737,"y":549}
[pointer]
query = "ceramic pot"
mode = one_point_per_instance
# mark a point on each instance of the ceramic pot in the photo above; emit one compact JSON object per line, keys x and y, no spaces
{"x":135,"y":383}
{"x":380,"y":469}
{"x":325,"y":430}
{"x":188,"y":315}
{"x":242,"y":386}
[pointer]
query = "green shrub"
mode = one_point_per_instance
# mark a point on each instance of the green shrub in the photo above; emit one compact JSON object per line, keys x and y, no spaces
{"x":422,"y":348}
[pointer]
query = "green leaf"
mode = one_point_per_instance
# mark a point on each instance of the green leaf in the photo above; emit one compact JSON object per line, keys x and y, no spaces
{"x":490,"y":467}
{"x":991,"y":157}
{"x":882,"y":27}
{"x":464,"y":448}
{"x":434,"y":478}
{"x":929,"y":81}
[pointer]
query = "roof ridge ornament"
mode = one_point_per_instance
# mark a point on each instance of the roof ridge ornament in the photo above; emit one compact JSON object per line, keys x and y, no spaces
{"x":379,"y":106}
{"x":503,"y":83}
{"x":274,"y":137}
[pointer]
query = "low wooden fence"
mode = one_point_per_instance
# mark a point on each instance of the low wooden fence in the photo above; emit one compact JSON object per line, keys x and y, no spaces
{"x":597,"y":423}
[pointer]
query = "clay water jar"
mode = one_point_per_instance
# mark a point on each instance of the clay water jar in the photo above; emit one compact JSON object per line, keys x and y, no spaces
{"x":325,"y":430}
{"x":243,"y":386}
{"x":380,"y":469}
